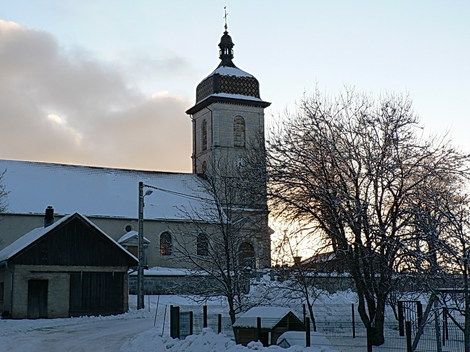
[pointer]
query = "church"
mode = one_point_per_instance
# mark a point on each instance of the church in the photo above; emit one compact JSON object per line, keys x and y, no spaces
{"x":227,"y":130}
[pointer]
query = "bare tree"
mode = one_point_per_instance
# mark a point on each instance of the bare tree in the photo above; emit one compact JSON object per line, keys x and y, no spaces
{"x":350,"y":169}
{"x":454,"y":253}
{"x":301,"y":279}
{"x":228,"y":229}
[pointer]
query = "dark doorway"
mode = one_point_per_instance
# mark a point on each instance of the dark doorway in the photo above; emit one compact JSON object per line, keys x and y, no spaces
{"x":37,"y":298}
{"x":96,"y":293}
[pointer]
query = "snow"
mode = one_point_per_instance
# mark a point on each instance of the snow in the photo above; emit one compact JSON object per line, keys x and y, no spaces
{"x":135,"y":331}
{"x":269,"y":315}
{"x":164,"y":271}
{"x":101,"y":192}
{"x":209,"y":341}
{"x":298,"y":338}
{"x":233,"y":96}
{"x":131,"y":235}
{"x":35,"y":234}
{"x":230,"y":71}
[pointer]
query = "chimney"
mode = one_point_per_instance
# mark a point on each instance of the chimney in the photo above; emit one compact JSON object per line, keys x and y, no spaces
{"x":49,"y":216}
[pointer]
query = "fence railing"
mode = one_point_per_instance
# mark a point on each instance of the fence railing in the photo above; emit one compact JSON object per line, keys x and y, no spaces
{"x":341,"y":334}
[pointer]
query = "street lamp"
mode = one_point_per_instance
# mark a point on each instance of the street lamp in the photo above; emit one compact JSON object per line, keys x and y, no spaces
{"x":140,"y":268}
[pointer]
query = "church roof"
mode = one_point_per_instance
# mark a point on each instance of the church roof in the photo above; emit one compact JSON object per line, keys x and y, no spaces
{"x":102,"y":192}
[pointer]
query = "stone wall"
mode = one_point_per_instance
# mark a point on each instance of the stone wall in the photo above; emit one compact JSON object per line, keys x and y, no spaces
{"x":175,"y":284}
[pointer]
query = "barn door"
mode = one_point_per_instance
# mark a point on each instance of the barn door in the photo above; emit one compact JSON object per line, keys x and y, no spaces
{"x":37,"y":298}
{"x":96,"y":293}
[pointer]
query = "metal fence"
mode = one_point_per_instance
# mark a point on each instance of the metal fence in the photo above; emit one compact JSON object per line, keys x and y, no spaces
{"x":341,"y":327}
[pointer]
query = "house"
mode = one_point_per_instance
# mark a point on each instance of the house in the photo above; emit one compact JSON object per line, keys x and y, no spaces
{"x":227,"y":121}
{"x":66,"y":268}
{"x":266,"y":324}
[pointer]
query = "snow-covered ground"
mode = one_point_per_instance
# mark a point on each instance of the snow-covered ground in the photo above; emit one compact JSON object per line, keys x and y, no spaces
{"x":147,"y":330}
{"x":135,"y":331}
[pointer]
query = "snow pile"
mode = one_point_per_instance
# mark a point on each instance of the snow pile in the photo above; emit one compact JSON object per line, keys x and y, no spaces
{"x":208,"y":341}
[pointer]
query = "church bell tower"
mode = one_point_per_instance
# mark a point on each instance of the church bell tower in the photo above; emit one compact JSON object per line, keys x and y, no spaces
{"x":228,"y":115}
{"x":228,"y":124}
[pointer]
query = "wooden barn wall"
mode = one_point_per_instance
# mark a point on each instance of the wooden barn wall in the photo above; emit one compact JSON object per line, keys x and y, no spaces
{"x":74,"y":243}
{"x":96,"y":293}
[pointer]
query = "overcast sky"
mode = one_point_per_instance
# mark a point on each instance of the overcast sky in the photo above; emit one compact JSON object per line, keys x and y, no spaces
{"x":107,"y":82}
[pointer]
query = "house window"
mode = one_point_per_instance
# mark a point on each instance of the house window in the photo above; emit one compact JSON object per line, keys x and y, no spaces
{"x":165,"y":243}
{"x":204,"y":134}
{"x":202,"y":244}
{"x":239,"y":132}
{"x":246,"y":255}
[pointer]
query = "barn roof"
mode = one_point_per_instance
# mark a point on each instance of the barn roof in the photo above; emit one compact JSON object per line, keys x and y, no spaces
{"x":102,"y":192}
{"x":270,"y":317}
{"x":29,"y":238}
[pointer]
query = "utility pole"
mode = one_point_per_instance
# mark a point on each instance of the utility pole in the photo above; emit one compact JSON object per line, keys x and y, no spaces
{"x":140,"y":268}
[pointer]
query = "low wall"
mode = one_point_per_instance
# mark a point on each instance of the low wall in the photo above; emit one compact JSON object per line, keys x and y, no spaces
{"x":168,"y":285}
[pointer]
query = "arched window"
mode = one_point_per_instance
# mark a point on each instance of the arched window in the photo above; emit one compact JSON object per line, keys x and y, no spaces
{"x":204,"y":134}
{"x":239,"y":132}
{"x":202,"y":244}
{"x":246,"y":255}
{"x":165,"y":243}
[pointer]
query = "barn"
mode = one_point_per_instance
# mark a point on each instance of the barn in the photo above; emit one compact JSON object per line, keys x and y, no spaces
{"x":66,"y":268}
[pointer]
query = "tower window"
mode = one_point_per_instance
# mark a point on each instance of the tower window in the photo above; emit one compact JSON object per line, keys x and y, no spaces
{"x":165,"y":243}
{"x":202,"y":244}
{"x":239,"y":132}
{"x":204,"y":134}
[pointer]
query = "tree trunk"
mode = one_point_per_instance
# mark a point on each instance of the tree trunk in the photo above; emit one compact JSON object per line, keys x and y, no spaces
{"x":312,"y":316}
{"x":375,"y":335}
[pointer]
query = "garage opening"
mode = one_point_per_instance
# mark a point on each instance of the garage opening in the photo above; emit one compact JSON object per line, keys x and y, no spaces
{"x":96,"y":293}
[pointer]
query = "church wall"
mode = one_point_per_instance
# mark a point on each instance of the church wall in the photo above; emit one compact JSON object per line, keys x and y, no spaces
{"x":13,"y":226}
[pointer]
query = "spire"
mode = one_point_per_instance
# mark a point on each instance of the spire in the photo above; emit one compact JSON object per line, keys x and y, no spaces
{"x":226,"y":46}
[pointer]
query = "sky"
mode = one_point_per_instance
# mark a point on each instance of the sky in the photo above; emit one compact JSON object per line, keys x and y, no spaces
{"x":107,"y":82}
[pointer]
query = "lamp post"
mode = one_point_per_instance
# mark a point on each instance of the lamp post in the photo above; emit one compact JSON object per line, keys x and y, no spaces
{"x":140,"y":268}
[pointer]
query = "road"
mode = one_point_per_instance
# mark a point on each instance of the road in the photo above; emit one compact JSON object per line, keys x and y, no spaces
{"x":95,"y":334}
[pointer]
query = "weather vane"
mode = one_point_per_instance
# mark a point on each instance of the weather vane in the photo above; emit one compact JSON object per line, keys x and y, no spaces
{"x":225,"y":17}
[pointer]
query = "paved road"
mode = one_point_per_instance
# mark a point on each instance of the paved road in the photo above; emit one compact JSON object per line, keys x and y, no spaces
{"x":71,"y":335}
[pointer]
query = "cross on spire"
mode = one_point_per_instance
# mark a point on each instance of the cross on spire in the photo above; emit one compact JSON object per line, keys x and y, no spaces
{"x":225,"y":17}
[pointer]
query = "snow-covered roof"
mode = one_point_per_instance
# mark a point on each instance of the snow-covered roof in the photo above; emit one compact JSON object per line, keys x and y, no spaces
{"x":35,"y":234}
{"x":131,"y":235}
{"x":97,"y":191}
{"x":270,"y":316}
{"x":231,"y":96}
{"x":230,"y":71}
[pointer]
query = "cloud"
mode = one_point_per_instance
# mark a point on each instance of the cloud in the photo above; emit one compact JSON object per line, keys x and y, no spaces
{"x":75,"y":109}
